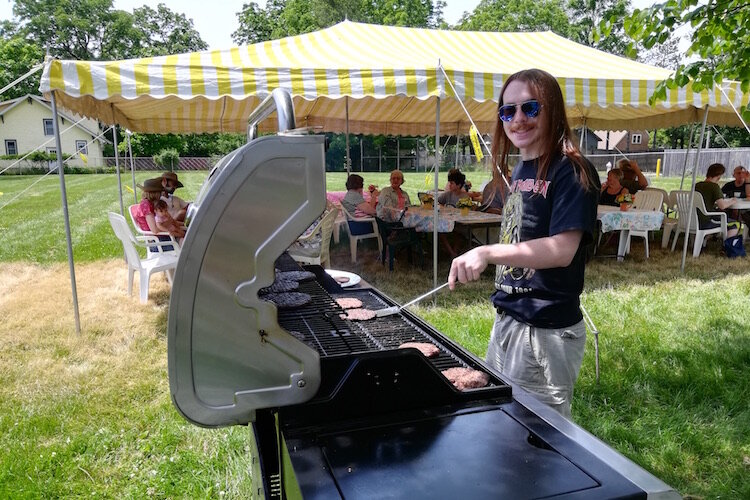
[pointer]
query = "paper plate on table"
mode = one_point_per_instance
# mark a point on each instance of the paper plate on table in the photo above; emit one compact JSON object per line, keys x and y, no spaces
{"x":344,"y":278}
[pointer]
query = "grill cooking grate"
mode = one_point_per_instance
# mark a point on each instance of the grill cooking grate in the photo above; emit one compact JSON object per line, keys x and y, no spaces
{"x":319,"y":325}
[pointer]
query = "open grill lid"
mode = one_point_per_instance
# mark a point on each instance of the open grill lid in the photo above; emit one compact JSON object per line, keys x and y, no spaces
{"x":228,"y":356}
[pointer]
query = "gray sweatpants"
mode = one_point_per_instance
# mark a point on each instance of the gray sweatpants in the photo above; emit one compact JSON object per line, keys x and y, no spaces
{"x":543,"y":361}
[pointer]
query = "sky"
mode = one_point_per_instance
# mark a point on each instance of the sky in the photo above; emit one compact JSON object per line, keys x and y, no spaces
{"x":216,"y":20}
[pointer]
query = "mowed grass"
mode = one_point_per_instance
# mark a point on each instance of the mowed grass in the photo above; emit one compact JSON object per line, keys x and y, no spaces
{"x":91,"y":414}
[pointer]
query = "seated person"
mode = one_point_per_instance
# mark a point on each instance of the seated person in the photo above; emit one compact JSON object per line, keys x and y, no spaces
{"x":393,"y":196}
{"x":454,"y":190}
{"x":493,"y":195}
{"x":738,"y":188}
{"x":354,"y":201}
{"x":713,"y":197}
{"x":165,"y":222}
{"x":612,"y":188}
{"x":177,"y":206}
{"x":632,"y":177}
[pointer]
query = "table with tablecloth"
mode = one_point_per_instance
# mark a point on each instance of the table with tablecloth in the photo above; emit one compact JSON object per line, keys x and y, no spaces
{"x":423,"y":219}
{"x":614,"y":219}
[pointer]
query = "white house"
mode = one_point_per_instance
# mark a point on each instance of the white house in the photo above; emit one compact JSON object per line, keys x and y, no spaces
{"x":26,"y":125}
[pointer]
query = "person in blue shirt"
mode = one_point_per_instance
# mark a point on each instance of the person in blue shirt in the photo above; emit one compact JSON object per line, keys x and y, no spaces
{"x":539,"y":336}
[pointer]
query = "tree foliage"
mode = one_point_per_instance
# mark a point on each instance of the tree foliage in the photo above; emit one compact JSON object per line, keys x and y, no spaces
{"x":282,"y":18}
{"x":93,"y":29}
{"x":586,"y":15}
{"x":18,"y":57}
{"x":518,"y":15}
{"x":720,"y":40}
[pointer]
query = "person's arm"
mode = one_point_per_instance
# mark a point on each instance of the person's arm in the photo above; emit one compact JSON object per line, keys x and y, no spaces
{"x":723,"y":203}
{"x":541,"y":253}
{"x":747,"y":185}
{"x":642,"y":181}
{"x":368,"y":207}
{"x":151,"y":221}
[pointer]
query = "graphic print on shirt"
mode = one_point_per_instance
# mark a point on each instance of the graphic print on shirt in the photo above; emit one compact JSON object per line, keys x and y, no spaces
{"x":510,"y":232}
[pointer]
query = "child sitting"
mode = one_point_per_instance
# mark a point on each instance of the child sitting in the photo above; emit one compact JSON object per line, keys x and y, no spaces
{"x":165,"y":222}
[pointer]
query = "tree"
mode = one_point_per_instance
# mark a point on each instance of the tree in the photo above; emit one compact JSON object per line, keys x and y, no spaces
{"x":93,"y":29}
{"x":517,"y":15}
{"x":18,"y":57}
{"x":720,"y":39}
{"x":283,"y":18}
{"x":586,"y":15}
{"x":165,"y":32}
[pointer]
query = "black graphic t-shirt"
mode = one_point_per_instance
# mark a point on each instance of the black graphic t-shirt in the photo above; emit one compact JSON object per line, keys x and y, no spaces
{"x":545,"y":298}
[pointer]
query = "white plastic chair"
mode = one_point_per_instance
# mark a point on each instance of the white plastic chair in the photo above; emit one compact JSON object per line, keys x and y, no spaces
{"x":338,"y":223}
{"x":650,"y":200}
{"x":159,"y":262}
{"x":355,"y":238}
{"x":669,"y":222}
{"x":688,"y":201}
{"x":175,"y":246}
{"x":322,"y":256}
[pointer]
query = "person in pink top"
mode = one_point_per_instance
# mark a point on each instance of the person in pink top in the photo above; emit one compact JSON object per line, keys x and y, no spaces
{"x":144,"y":214}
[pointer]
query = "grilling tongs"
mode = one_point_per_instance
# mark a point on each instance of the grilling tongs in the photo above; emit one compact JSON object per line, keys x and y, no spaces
{"x":396,"y":309}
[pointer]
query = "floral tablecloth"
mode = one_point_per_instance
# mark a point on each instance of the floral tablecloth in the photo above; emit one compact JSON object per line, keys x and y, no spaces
{"x":613,"y":219}
{"x":422,"y":219}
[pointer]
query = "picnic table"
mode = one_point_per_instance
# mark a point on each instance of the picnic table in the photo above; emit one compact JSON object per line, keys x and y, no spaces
{"x":614,"y":219}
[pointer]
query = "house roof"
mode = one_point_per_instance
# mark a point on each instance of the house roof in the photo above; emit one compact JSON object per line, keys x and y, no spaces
{"x":6,"y":106}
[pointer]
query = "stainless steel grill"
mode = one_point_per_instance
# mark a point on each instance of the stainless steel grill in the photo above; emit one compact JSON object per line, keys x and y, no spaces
{"x":336,"y":408}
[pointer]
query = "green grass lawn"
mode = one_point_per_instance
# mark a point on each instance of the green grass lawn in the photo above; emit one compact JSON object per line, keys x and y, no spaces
{"x":74,"y":421}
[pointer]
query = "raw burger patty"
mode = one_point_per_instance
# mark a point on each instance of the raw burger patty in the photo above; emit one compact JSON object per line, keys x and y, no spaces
{"x":466,"y":378}
{"x":349,"y":303}
{"x":358,"y":314}
{"x":288,"y":300}
{"x":294,"y":275}
{"x":280,"y":286}
{"x":342,"y":279}
{"x":429,"y":350}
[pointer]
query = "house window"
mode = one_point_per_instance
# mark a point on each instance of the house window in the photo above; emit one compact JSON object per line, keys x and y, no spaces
{"x":48,"y":129}
{"x":81,"y":146}
{"x":11,"y":147}
{"x":636,"y":138}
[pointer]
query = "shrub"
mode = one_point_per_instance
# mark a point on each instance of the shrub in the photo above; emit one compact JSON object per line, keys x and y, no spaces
{"x":167,"y":159}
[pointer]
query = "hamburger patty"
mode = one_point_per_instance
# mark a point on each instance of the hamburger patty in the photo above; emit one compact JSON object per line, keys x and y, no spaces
{"x":349,"y":303}
{"x":427,"y":349}
{"x":466,"y":378}
{"x":358,"y":314}
{"x":280,"y":286}
{"x":288,"y":300}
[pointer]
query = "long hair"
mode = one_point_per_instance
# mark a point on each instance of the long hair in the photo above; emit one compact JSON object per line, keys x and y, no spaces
{"x":553,"y":123}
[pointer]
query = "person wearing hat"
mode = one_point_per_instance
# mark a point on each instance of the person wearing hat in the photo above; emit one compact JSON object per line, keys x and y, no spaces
{"x":632,"y":177}
{"x":177,"y":207}
{"x":143,"y":213}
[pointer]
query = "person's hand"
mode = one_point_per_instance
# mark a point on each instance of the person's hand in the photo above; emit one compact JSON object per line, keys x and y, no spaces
{"x":467,"y":267}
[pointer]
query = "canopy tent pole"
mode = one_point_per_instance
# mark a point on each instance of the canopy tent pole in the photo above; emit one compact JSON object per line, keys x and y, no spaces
{"x":346,"y":157}
{"x":117,"y":168}
{"x":687,"y":153}
{"x":132,"y":167}
{"x":458,"y":141}
{"x":691,"y":213}
{"x":435,"y":199}
{"x":398,"y":152}
{"x":66,"y":218}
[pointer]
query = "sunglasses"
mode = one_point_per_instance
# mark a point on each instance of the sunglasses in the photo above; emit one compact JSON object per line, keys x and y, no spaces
{"x":529,"y":108}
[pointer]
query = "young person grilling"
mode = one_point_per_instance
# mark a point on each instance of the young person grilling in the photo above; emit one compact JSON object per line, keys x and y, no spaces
{"x":539,"y":335}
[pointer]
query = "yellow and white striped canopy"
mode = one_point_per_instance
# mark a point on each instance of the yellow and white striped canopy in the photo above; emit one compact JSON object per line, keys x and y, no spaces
{"x":390,"y":76}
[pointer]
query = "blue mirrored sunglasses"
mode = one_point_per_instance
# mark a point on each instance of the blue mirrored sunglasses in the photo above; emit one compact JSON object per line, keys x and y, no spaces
{"x":529,"y":108}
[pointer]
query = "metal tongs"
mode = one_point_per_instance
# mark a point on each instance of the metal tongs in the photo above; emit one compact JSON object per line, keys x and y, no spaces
{"x":396,"y":309}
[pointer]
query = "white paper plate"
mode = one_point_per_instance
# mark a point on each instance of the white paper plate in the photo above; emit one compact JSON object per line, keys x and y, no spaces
{"x":353,"y":278}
